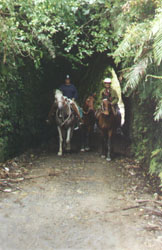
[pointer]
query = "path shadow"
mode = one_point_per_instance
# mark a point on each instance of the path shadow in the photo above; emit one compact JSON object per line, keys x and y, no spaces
{"x":120,"y":144}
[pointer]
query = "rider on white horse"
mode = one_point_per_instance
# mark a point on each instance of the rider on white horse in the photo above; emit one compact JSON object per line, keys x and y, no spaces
{"x":70,"y":91}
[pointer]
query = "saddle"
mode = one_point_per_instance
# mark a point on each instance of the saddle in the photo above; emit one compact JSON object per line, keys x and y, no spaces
{"x":76,"y":109}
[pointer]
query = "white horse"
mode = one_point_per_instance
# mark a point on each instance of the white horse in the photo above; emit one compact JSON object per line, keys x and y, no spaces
{"x":65,"y":120}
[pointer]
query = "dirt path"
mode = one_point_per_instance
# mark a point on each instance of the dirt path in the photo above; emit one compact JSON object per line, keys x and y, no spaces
{"x":80,"y":202}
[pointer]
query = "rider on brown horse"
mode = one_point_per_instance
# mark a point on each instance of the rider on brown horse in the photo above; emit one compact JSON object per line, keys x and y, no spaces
{"x":111,"y":95}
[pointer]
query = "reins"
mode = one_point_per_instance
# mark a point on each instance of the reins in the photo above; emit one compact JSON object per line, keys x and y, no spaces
{"x":63,"y":123}
{"x":102,"y":107}
{"x":87,"y":112}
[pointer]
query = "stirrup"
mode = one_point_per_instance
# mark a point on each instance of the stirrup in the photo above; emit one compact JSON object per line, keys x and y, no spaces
{"x":76,"y":128}
{"x":80,"y":123}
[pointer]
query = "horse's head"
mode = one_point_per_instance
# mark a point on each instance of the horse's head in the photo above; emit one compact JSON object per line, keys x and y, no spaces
{"x":59,"y":99}
{"x":106,"y":107}
{"x":89,"y":103}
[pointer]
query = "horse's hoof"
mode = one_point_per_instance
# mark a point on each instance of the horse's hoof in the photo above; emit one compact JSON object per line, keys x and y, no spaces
{"x":59,"y":153}
{"x":103,"y":156}
{"x":108,"y":159}
{"x":87,"y":149}
{"x":82,"y":150}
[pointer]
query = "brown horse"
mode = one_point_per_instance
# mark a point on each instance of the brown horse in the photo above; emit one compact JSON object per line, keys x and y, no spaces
{"x":107,"y":122}
{"x":88,"y":122}
{"x":65,"y":120}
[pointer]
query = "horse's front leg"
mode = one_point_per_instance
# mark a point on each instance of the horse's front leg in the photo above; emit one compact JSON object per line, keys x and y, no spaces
{"x":108,"y":158}
{"x":68,"y":138}
{"x":60,"y":141}
{"x":103,"y":141}
{"x":87,"y":138}
{"x":82,"y":139}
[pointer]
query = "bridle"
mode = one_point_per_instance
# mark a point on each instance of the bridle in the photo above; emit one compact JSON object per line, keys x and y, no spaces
{"x":65,"y":101}
{"x":89,"y":102}
{"x":105,"y":101}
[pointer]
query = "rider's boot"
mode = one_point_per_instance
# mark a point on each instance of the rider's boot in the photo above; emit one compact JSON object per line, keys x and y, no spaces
{"x":119,"y":131}
{"x":79,"y":120}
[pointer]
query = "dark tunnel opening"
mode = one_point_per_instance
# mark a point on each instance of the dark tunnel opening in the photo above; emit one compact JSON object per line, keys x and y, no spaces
{"x":86,"y":79}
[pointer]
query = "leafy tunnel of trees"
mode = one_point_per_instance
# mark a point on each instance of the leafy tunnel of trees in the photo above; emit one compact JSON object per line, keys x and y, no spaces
{"x":43,"y":40}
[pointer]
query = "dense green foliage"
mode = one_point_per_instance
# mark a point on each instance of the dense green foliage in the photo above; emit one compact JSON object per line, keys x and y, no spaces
{"x":140,"y":49}
{"x":140,"y":54}
{"x":20,"y":116}
{"x":42,"y":39}
{"x":33,"y":32}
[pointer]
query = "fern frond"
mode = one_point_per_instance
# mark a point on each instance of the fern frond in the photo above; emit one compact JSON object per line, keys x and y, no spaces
{"x":134,"y":41}
{"x":136,"y":73}
{"x":156,"y":31}
{"x":158,"y":47}
{"x":158,"y":111}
